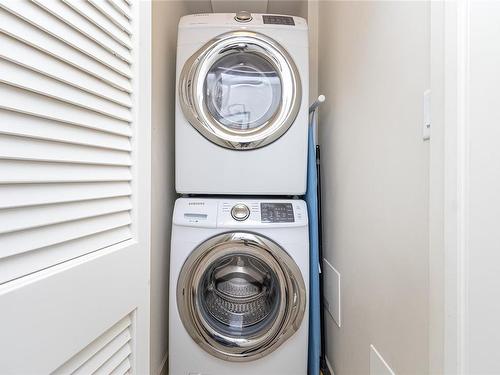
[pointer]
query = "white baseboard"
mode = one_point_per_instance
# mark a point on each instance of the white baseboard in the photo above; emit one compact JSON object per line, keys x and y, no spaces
{"x":329,"y":366}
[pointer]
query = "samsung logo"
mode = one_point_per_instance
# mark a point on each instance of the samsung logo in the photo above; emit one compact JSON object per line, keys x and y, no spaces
{"x":196,"y":203}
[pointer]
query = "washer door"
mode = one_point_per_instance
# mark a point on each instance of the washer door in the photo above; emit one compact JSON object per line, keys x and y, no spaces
{"x":240,"y":296}
{"x":241,"y":90}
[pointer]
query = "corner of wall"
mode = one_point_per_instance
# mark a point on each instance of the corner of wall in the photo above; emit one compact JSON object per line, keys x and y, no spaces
{"x":165,"y":18}
{"x":313,"y":22}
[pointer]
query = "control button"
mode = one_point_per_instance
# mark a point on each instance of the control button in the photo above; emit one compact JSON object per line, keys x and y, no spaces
{"x":276,"y":213}
{"x":243,"y":16}
{"x":240,"y":212}
{"x":278,"y":20}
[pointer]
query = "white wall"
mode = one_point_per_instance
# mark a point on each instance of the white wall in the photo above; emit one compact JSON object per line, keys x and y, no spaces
{"x":483,"y":273}
{"x":373,"y":69}
{"x":166,"y":16}
{"x":436,"y":194}
{"x":472,"y":185}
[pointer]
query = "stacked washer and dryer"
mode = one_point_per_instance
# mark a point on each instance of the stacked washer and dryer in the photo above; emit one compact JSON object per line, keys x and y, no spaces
{"x":239,"y":265}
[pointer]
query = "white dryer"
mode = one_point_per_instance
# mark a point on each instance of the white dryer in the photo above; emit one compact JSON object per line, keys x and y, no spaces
{"x":242,"y":104}
{"x":239,"y":273}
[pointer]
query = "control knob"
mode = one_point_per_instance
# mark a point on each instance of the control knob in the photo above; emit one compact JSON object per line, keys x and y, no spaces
{"x":240,"y":212}
{"x":243,"y":16}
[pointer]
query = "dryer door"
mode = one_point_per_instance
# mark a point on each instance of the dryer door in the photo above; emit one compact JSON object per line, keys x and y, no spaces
{"x":241,"y":90}
{"x":240,"y":296}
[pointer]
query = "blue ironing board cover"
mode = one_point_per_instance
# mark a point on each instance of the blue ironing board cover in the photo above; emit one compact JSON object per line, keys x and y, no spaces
{"x":314,"y":298}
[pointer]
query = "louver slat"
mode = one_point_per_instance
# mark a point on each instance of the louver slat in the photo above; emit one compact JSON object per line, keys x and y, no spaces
{"x":114,"y":361}
{"x":106,"y":353}
{"x":121,"y":7}
{"x":21,"y":77}
{"x":19,"y":148}
{"x":29,"y":34}
{"x":85,"y":27}
{"x":101,"y":231}
{"x":112,"y":14}
{"x":44,"y":21}
{"x":38,"y":61}
{"x":19,"y":100}
{"x":31,"y":217}
{"x":22,"y":125}
{"x":66,"y":115}
{"x":50,"y":235}
{"x":122,"y":368}
{"x":93,"y":15}
{"x":22,"y":172}
{"x":22,"y":195}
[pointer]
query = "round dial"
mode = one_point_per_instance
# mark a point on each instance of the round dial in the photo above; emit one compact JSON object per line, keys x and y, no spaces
{"x":240,"y":212}
{"x":243,"y":16}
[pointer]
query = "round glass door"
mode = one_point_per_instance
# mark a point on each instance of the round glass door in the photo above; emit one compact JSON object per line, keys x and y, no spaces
{"x":240,"y":296}
{"x":241,"y":90}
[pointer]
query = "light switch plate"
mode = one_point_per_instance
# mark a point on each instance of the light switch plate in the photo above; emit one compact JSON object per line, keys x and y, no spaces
{"x":426,"y":132}
{"x":331,"y":291}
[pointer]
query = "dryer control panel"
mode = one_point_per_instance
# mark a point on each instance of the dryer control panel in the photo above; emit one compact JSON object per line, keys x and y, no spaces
{"x":240,"y":213}
{"x":271,"y":212}
{"x":273,"y":19}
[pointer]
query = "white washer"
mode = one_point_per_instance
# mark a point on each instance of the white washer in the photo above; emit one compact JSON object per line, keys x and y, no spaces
{"x":242,"y":104}
{"x":239,"y":275}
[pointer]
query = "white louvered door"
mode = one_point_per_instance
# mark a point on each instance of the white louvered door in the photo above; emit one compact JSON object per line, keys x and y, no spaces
{"x":74,"y":186}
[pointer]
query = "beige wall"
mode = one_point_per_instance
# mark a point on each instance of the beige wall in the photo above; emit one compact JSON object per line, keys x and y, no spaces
{"x":293,"y":7}
{"x":477,"y":127}
{"x":373,"y":69}
{"x":166,"y":16}
{"x":436,"y":194}
{"x":312,"y":21}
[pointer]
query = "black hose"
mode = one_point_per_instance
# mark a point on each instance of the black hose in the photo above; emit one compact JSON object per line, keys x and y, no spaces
{"x":323,"y":365}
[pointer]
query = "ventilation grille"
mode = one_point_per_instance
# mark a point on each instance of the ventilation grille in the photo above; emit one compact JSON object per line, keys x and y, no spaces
{"x":108,"y":354}
{"x":66,"y":116}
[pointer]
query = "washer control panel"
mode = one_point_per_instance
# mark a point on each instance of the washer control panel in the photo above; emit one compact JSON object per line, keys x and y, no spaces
{"x":240,"y":213}
{"x":276,"y":213}
{"x":253,"y":213}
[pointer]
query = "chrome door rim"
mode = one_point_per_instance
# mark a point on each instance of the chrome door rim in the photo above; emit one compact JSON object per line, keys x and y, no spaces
{"x":191,"y":86}
{"x":291,"y":309}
